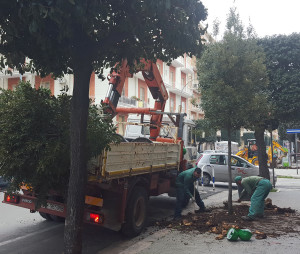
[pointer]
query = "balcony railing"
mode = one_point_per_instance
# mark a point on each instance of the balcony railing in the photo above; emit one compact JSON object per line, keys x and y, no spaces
{"x":128,"y":101}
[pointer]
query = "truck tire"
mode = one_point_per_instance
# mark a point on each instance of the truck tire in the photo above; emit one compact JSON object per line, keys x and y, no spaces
{"x":57,"y":218}
{"x":206,"y":179}
{"x":136,"y":212}
{"x":46,"y":216}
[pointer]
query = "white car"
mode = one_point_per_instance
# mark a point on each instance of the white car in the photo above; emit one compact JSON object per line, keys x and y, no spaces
{"x":209,"y":151}
{"x":218,"y":161}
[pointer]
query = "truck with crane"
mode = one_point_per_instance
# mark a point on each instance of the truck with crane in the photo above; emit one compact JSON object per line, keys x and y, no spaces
{"x":121,"y":180}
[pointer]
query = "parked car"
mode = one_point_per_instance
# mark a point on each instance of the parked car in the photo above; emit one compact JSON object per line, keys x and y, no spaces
{"x":209,"y":151}
{"x":219,"y":161}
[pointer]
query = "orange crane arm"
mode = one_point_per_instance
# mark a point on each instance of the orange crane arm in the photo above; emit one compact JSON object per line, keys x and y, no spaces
{"x":155,"y":84}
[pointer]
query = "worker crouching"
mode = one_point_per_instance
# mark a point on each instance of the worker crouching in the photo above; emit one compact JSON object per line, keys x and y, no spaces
{"x":185,"y":189}
{"x":258,"y":188}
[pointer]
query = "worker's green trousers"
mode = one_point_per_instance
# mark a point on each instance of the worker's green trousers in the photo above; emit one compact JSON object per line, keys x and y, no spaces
{"x":258,"y":198}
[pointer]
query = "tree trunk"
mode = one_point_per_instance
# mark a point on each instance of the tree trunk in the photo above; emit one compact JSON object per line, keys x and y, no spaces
{"x":262,"y":154}
{"x":230,"y":210}
{"x":78,"y":171}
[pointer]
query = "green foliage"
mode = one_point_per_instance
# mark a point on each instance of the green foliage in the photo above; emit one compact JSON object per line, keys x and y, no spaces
{"x":233,"y":80}
{"x":283,"y":63}
{"x":35,"y":138}
{"x":102,"y":32}
{"x":203,"y":126}
{"x":235,"y":135}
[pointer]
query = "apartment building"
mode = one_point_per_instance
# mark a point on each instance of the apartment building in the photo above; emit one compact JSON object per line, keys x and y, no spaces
{"x":180,"y":79}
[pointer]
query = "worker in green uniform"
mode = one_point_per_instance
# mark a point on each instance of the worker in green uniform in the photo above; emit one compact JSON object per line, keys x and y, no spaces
{"x":258,"y":188}
{"x":185,"y":191}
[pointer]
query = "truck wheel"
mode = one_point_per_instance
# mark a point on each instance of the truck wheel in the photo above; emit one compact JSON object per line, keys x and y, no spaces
{"x":57,"y":218}
{"x":206,"y":179}
{"x":136,"y":213}
{"x":46,"y":216}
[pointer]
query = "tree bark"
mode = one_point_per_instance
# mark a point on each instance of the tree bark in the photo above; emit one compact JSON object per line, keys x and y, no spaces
{"x":262,"y":155}
{"x":78,"y":170}
{"x":230,"y":210}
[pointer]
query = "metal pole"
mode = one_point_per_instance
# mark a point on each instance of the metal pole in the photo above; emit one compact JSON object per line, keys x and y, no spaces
{"x":296,"y":152}
{"x":213,"y":174}
{"x":202,"y":176}
{"x":272,"y":162}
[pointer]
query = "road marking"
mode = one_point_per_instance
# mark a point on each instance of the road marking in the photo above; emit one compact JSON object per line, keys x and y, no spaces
{"x":29,"y":235}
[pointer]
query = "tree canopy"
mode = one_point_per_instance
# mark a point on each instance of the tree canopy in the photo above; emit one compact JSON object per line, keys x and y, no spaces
{"x":233,"y":80}
{"x":56,"y":35}
{"x":283,"y":64}
{"x":205,"y":132}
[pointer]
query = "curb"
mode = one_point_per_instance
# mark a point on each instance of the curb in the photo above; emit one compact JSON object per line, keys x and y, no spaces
{"x":289,"y":176}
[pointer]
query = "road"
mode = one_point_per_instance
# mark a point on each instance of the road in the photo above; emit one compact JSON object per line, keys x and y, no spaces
{"x":25,"y":232}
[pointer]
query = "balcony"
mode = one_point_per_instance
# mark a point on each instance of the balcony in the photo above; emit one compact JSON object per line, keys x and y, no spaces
{"x":139,"y":75}
{"x":184,"y":92}
{"x":142,"y":104}
{"x":195,"y":87}
{"x":188,"y":67}
{"x":192,"y":108}
{"x":5,"y":73}
{"x":178,"y":62}
{"x":125,"y":101}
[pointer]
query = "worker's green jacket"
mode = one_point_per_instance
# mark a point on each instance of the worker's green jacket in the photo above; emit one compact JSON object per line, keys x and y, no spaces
{"x":185,"y":180}
{"x":249,"y":184}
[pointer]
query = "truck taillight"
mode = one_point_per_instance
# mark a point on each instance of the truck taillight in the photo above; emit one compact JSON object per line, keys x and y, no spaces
{"x":95,"y":218}
{"x":11,"y":198}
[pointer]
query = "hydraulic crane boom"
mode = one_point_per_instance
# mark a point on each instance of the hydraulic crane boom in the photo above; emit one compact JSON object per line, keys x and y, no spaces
{"x":155,"y":84}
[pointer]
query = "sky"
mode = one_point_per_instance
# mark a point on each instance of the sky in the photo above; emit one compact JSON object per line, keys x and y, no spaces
{"x":268,"y":17}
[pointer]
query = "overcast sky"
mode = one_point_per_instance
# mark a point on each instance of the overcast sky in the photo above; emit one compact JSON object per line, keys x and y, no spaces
{"x":267,"y":16}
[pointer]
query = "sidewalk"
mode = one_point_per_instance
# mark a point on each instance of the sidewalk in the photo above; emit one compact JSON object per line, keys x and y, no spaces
{"x":291,"y":172}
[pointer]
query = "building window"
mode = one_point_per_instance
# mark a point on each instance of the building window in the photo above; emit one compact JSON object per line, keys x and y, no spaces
{"x":172,"y":78}
{"x":166,"y":68}
{"x":183,"y":107}
{"x":142,"y":93}
{"x":172,"y":104}
{"x":182,"y":83}
{"x":45,"y":85}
